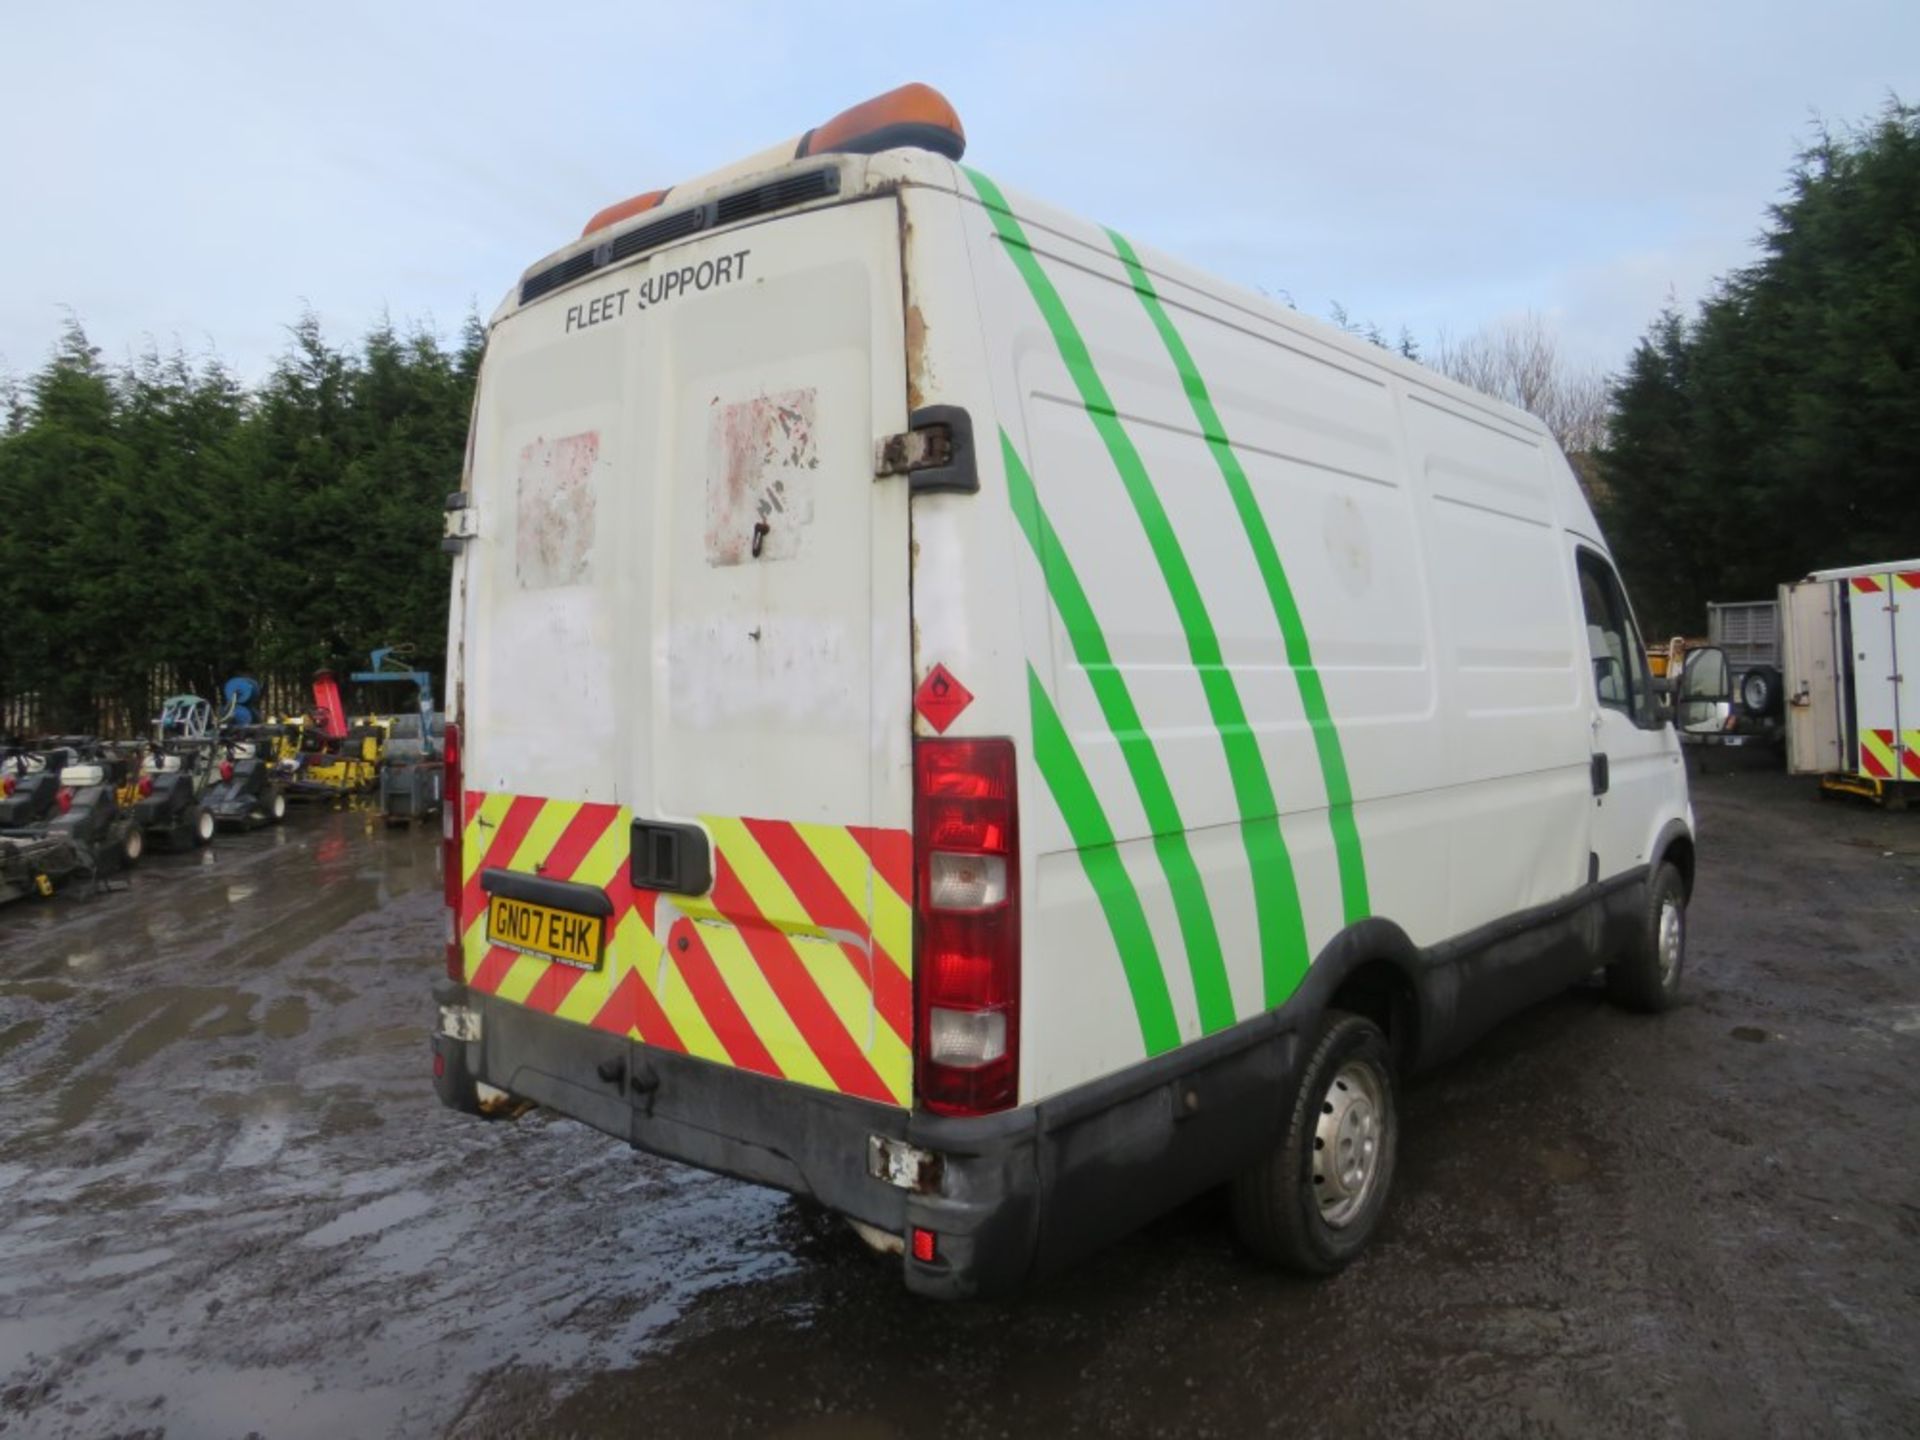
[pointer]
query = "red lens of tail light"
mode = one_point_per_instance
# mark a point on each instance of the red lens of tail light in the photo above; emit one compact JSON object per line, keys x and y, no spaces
{"x":146,"y":785}
{"x":967,"y":892}
{"x":925,"y":1246}
{"x":6,"y":786}
{"x":226,"y":769}
{"x":450,"y":829}
{"x":64,"y":800}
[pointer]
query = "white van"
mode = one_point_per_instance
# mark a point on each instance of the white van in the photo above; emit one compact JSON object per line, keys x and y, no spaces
{"x":967,"y":719}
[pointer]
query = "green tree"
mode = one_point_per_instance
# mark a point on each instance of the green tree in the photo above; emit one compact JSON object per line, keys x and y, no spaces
{"x":1778,"y":431}
{"x":156,"y":519}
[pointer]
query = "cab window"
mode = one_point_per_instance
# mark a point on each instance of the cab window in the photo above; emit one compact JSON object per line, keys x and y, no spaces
{"x":1621,"y":678}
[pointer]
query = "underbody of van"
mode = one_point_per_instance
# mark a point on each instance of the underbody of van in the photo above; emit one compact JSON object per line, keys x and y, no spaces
{"x":947,"y":705}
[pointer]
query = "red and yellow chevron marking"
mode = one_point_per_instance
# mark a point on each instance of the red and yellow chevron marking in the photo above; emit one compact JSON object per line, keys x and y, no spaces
{"x":1865,"y":584}
{"x":798,"y":964}
{"x":1877,"y":757}
{"x":1906,"y":579}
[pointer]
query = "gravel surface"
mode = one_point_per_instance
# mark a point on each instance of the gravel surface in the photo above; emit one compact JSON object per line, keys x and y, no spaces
{"x":229,"y":1203}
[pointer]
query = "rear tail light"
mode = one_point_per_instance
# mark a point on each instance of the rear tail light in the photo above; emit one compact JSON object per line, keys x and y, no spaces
{"x":925,"y":1245}
{"x":6,"y":786}
{"x":64,"y":800}
{"x":226,"y":769}
{"x":967,"y":891}
{"x":146,"y":786}
{"x":451,"y":796}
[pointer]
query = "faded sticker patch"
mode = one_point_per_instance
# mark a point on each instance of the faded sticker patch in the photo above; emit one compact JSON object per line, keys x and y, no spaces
{"x":555,"y":535}
{"x":760,"y":462}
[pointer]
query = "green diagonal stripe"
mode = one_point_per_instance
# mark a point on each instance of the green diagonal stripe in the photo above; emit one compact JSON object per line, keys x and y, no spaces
{"x":1211,"y":993}
{"x":1092,"y":836}
{"x":1293,"y":632}
{"x":1283,"y":938}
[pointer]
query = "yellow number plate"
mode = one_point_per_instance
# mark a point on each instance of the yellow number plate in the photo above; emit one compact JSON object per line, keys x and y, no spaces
{"x":540,"y":930}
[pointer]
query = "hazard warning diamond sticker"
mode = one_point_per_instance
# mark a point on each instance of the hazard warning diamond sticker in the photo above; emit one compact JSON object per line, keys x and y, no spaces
{"x":941,"y":698}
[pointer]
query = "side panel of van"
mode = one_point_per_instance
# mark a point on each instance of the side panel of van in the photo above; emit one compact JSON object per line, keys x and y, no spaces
{"x":687,"y":626}
{"x":1311,"y":653}
{"x":1518,"y":799}
{"x":1312,"y":644}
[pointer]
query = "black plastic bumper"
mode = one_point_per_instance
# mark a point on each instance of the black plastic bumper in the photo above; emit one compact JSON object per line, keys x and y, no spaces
{"x":1018,"y":1195}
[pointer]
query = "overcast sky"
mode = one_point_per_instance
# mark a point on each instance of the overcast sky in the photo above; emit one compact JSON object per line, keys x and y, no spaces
{"x":198,"y":173}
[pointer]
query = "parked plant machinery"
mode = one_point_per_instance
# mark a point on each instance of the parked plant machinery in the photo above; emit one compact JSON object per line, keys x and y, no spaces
{"x":30,"y":785}
{"x":177,"y":769}
{"x":237,"y":699}
{"x":60,"y":818}
{"x":249,"y":790}
{"x":334,"y":760}
{"x":412,"y":767}
{"x":412,"y":770}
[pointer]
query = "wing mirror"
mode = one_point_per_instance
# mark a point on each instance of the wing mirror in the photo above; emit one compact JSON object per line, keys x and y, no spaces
{"x":1704,"y":694}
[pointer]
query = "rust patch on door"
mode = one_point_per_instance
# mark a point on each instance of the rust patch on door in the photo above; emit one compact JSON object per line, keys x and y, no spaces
{"x":761,"y":458}
{"x":919,"y":377}
{"x":554,"y":537}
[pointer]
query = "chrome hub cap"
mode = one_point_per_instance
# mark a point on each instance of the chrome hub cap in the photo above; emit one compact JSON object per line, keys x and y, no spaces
{"x":1347,"y":1142}
{"x":1672,"y":941}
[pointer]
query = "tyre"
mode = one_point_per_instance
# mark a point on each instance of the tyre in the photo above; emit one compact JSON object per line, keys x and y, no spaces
{"x":202,"y":826}
{"x":1313,"y":1203}
{"x":277,"y":808}
{"x":1759,"y":689}
{"x":1647,"y":977}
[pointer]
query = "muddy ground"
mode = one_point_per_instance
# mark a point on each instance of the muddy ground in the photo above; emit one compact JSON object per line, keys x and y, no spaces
{"x":229,"y":1203}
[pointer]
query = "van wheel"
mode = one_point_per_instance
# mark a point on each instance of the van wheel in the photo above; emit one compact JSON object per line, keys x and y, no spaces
{"x":1315,"y":1201}
{"x":1647,"y":977}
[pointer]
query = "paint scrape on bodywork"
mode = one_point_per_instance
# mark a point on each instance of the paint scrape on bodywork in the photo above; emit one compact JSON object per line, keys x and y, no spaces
{"x":761,"y":457}
{"x":554,"y":537}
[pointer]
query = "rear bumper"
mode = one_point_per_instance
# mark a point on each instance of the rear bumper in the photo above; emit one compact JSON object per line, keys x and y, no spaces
{"x":1018,"y":1195}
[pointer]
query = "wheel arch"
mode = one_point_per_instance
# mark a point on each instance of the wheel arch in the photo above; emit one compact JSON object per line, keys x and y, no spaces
{"x":1675,"y":843}
{"x":1373,"y":968}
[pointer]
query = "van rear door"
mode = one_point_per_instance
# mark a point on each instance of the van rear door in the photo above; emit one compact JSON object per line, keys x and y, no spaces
{"x":686,"y":656}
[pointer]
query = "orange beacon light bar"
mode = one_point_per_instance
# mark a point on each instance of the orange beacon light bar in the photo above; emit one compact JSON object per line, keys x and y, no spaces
{"x":914,"y":116}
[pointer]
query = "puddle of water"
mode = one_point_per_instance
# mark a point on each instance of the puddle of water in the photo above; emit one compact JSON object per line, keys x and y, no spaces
{"x":49,"y":991}
{"x":286,"y":1018}
{"x":1564,"y":1167}
{"x":109,"y":1266}
{"x":377,"y":1181}
{"x":371,"y":1218}
{"x":236,"y":1400}
{"x":14,"y":1036}
{"x":40,"y":1336}
{"x":259,"y":1141}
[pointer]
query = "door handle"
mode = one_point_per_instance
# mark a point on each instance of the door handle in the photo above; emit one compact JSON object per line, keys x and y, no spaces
{"x":1600,"y":775}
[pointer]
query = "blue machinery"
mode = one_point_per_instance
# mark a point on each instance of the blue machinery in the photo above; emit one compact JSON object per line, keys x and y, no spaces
{"x":390,"y":667}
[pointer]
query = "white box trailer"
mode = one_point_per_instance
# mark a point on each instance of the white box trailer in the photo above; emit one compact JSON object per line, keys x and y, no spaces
{"x":990,"y":728}
{"x":1851,"y":652}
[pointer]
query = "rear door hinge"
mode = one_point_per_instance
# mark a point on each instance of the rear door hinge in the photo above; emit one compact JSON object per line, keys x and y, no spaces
{"x":935,"y":453}
{"x":463,"y":522}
